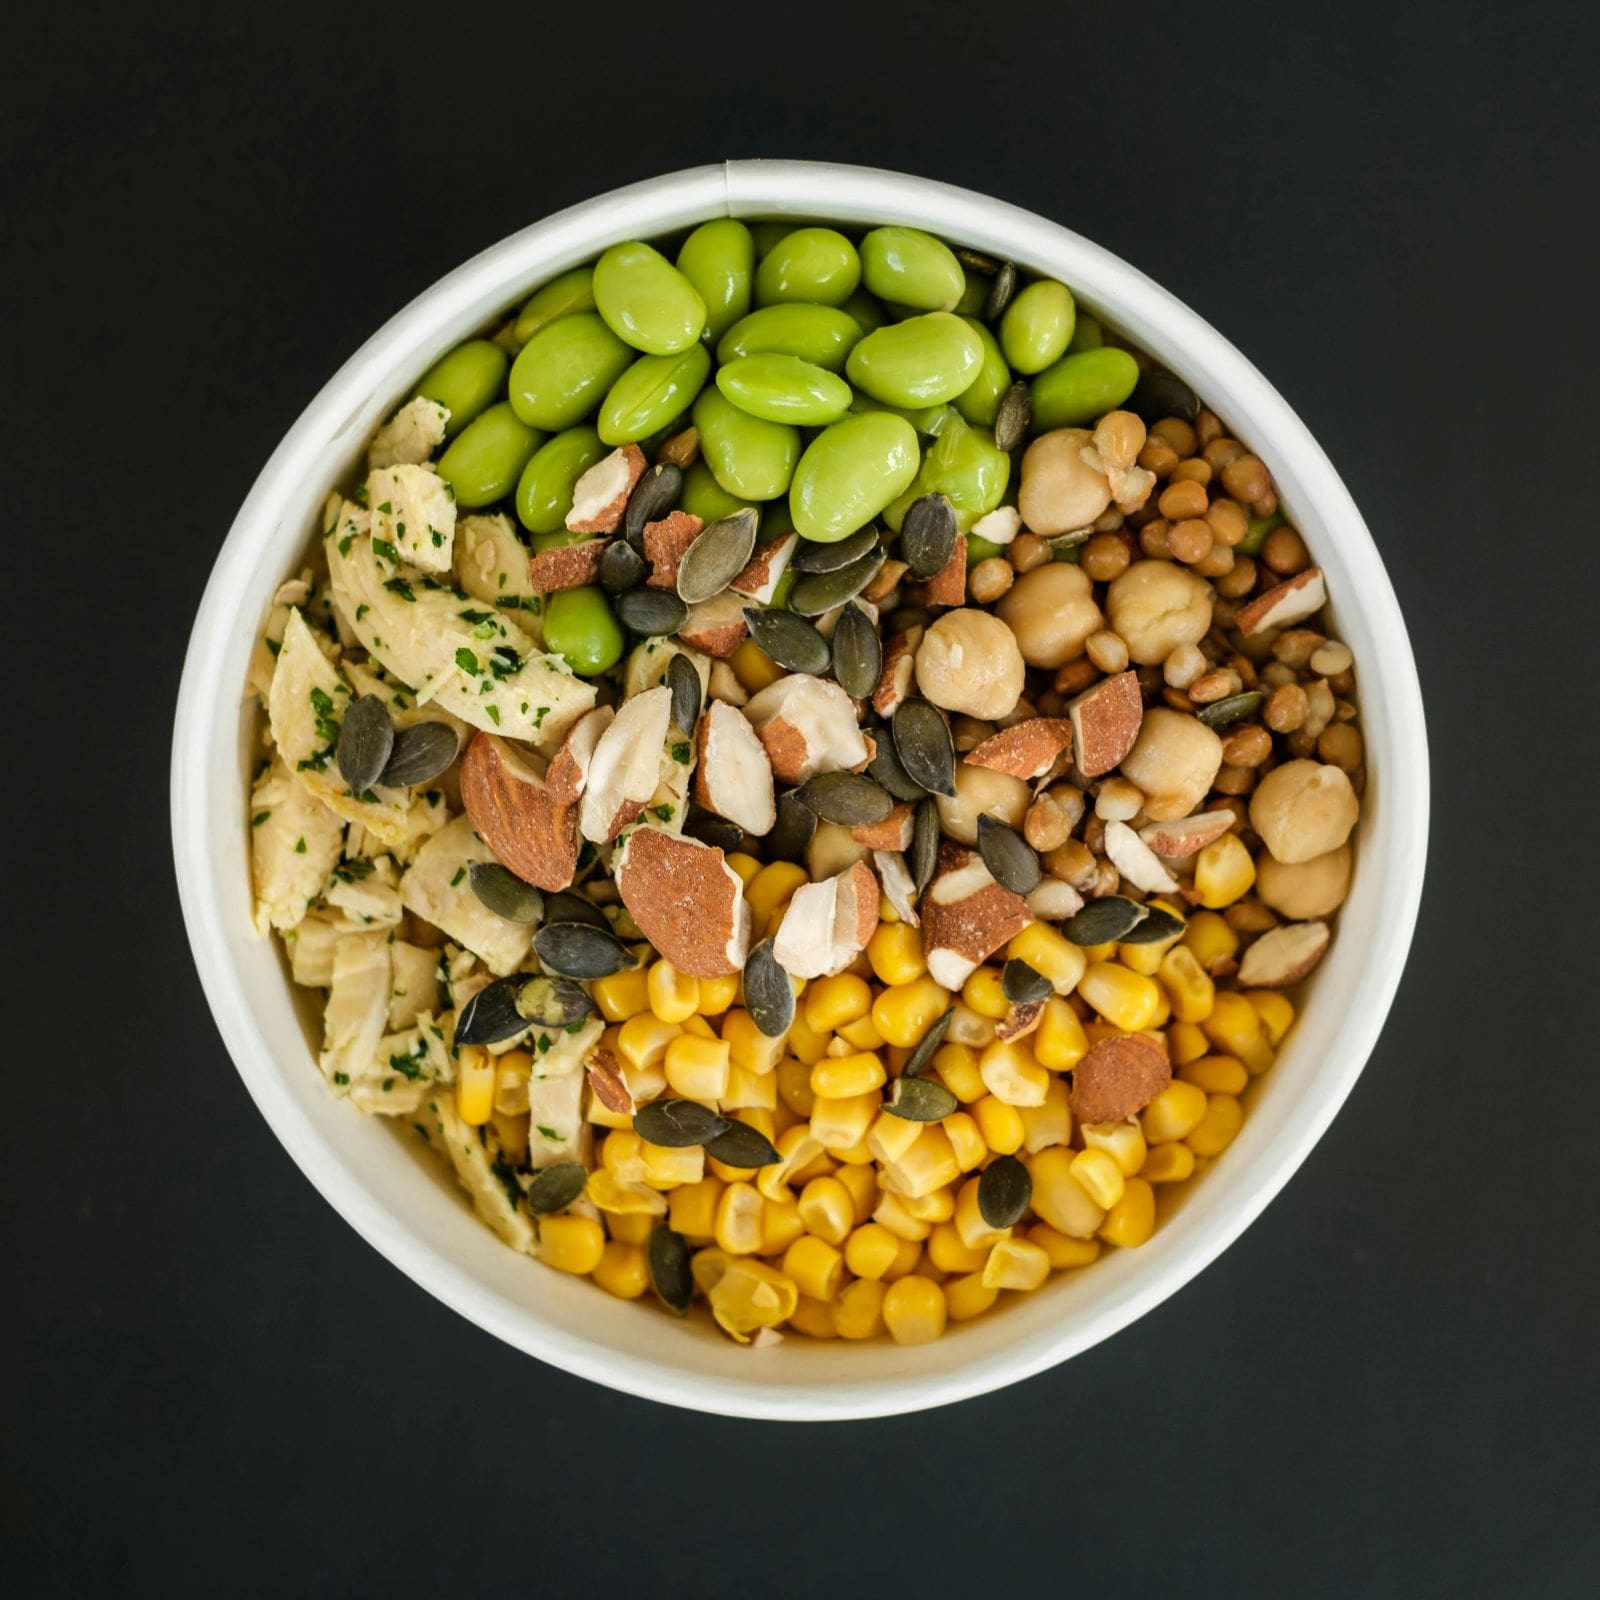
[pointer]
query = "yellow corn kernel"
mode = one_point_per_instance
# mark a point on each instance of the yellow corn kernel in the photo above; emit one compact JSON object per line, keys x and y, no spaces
{"x":816,"y":1267}
{"x":692,"y":1208}
{"x":1059,"y":1198}
{"x":622,"y":994}
{"x":1050,"y":955}
{"x":862,"y":1034}
{"x":772,"y":886}
{"x":967,"y":1027}
{"x":511,"y":1073}
{"x":1011,"y":1074}
{"x":1100,"y":1176}
{"x":623,"y":1270}
{"x":1095,"y":1030}
{"x":854,"y":1155}
{"x":827,"y":1210}
{"x":914,"y":1310}
{"x":753,"y":667}
{"x":474,"y":1085}
{"x":643,"y":1039}
{"x":794,"y":1086}
{"x":1050,"y":1123}
{"x":1133,"y":1218}
{"x":968,"y":1297}
{"x":624,"y":1197}
{"x":748,"y":1047}
{"x":674,"y":995}
{"x":841,"y":1124}
{"x":966,"y":1139}
{"x":1236,"y":1029}
{"x":1000,"y":1124}
{"x":697,"y":1068}
{"x":813,"y":1318}
{"x":862,"y":1182}
{"x":623,"y":1153}
{"x":982,"y":992}
{"x":927,"y":1165}
{"x":895,"y":952}
{"x":1173,"y":1114}
{"x":745,"y":865}
{"x":1163,"y":1010}
{"x":870,"y":1250}
{"x":747,"y":1091}
{"x":1223,"y":871}
{"x":1122,"y":1141}
{"x":1098,"y":952}
{"x":1216,"y":1075}
{"x":782,"y":1117}
{"x":717,"y":994}
{"x":603,"y":1117}
{"x":1058,"y":1042}
{"x":781,"y":1225}
{"x":1188,"y":986}
{"x":632,"y":1227}
{"x":892,"y":1214}
{"x":1185,"y":1042}
{"x":666,"y":1168}
{"x":737,"y":1228}
{"x":936,"y":1206}
{"x":905,"y":1011}
{"x":845,"y":1077}
{"x":512,"y":1132}
{"x":1218,"y":1127}
{"x":858,"y":1312}
{"x":831,"y":1002}
{"x":908,"y":1257}
{"x":571,"y":1243}
{"x":1276,"y":1011}
{"x":890,"y":1137}
{"x":805,"y":1042}
{"x":1015,"y":1264}
{"x":1211,"y":939}
{"x":949,"y":1254}
{"x":957,"y":1068}
{"x":976,"y":1234}
{"x":750,"y":1295}
{"x":1168,"y":1163}
{"x":1125,"y":998}
{"x":1064,"y":1253}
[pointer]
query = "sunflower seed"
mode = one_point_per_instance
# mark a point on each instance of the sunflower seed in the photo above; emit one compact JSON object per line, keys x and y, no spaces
{"x":677,"y":1124}
{"x":555,"y":1188}
{"x":1156,"y":925}
{"x":927,"y":1045}
{"x":740,"y":1145}
{"x":1000,"y":292}
{"x":857,"y":652}
{"x":1008,"y":856}
{"x":709,"y":828}
{"x":1160,"y":394}
{"x":923,"y":856}
{"x":717,"y":556}
{"x":504,"y":892}
{"x":922,"y":741}
{"x":561,"y":906}
{"x":1221,"y":712}
{"x":810,"y":556}
{"x":850,"y":799}
{"x":1105,"y":921}
{"x":621,"y":567}
{"x":887,"y":768}
{"x":365,"y":742}
{"x":791,"y":833}
{"x":552,"y":1002}
{"x":1014,"y":417}
{"x":791,"y":641}
{"x":1004,"y":1191}
{"x":494,"y":1012}
{"x":1022,"y":985}
{"x":670,"y":1275}
{"x":816,"y":592}
{"x":928,"y":535}
{"x":976,"y":261}
{"x":684,"y":682}
{"x":648,"y":612}
{"x":657,"y":493}
{"x":768,"y":993}
{"x":919,"y":1099}
{"x":420,"y":752}
{"x":575,"y":950}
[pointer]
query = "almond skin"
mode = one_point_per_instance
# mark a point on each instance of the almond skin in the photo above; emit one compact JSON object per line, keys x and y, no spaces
{"x":1118,"y":1078}
{"x":688,"y":902}
{"x":1302,"y":596}
{"x":1105,"y":723}
{"x":948,"y":586}
{"x":1027,"y":749}
{"x":568,"y":566}
{"x":529,"y":829}
{"x":601,"y":495}
{"x":665,"y":543}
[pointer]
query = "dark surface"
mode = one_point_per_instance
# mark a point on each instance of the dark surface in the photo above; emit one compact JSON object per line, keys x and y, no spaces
{"x":1387,"y":1387}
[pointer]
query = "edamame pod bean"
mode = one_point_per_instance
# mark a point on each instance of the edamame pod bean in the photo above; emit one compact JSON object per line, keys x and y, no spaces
{"x":702,"y":496}
{"x":1037,"y":326}
{"x":980,"y":401}
{"x":1080,"y":388}
{"x":781,"y":388}
{"x":748,"y":457}
{"x":564,"y":371}
{"x":572,"y":291}
{"x":929,"y":420}
{"x":973,"y":296}
{"x":922,"y":361}
{"x":964,"y":465}
{"x":818,"y":266}
{"x":487,"y":457}
{"x":867,"y":310}
{"x":1087,"y":334}
{"x":719,"y":259}
{"x":850,"y":472}
{"x":913,"y":267}
{"x":766,"y":234}
{"x":646,"y":300}
{"x":822,"y":335}
{"x":544,"y":492}
{"x":579,"y":627}
{"x":651,"y":393}
{"x":465,"y":381}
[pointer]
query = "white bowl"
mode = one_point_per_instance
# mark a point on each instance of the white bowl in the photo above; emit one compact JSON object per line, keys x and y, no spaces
{"x":392,"y":1193}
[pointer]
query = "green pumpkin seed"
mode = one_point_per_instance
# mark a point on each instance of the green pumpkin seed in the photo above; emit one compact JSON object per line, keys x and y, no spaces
{"x":555,"y":1188}
{"x":420,"y":752}
{"x":1157,"y":924}
{"x":791,"y":641}
{"x":621,"y":567}
{"x":928,"y":535}
{"x":670,"y":1273}
{"x":1021,"y":985}
{"x":792,"y":832}
{"x":740,"y":1145}
{"x":494,"y":1012}
{"x":768,"y":992}
{"x":552,"y":1002}
{"x":562,"y":906}
{"x":709,"y":828}
{"x":1160,"y":394}
{"x":1108,"y":920}
{"x":684,"y":682}
{"x":649,"y":612}
{"x":657,"y":493}
{"x":577,"y":950}
{"x":1007,"y":855}
{"x":366,"y":741}
{"x":850,"y":799}
{"x":922,"y":741}
{"x":857,"y":652}
{"x":809,"y":556}
{"x":977,"y":261}
{"x":1000,"y":292}
{"x":1004,"y":1190}
{"x":1014,"y":418}
{"x":817,"y":592}
{"x":927,"y":1045}
{"x":919,"y":1099}
{"x":923,"y":855}
{"x":887,"y":768}
{"x":1234,"y":709}
{"x":504,"y":893}
{"x":717,"y":556}
{"x":677,"y":1124}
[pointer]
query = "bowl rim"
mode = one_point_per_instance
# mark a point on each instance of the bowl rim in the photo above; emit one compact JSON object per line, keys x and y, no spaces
{"x":753,"y":190}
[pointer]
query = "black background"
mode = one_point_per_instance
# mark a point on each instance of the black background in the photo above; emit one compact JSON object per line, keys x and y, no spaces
{"x":1387,"y":1387}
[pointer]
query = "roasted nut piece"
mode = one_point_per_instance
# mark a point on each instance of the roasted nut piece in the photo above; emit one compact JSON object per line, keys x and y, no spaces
{"x":1155,"y":607}
{"x":966,"y":917}
{"x":688,"y":902}
{"x":1060,"y":491}
{"x":1051,"y":611}
{"x":1118,"y":1078}
{"x":969,"y":661}
{"x":1303,"y":809}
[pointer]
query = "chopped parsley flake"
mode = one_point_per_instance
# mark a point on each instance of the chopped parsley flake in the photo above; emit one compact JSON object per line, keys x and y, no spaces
{"x":259,"y":818}
{"x":467,"y":661}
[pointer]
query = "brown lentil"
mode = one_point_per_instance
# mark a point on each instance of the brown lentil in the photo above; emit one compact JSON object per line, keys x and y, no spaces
{"x":1286,"y":708}
{"x":1235,"y":585}
{"x":1249,"y":916}
{"x":1107,"y":880}
{"x":1190,"y":540}
{"x":1339,"y":744}
{"x":1176,"y":435}
{"x":967,"y":733}
{"x":1221,"y":453}
{"x":1076,"y":676}
{"x":1178,"y":700}
{"x":1193,"y":470}
{"x":1247,"y":746}
{"x":1246,"y":479}
{"x":1182,"y":498}
{"x":1234,"y":780}
{"x":1153,"y":540}
{"x":1214,"y":686}
{"x":1284,"y":552}
{"x":1072,"y":862}
{"x":1207,"y":426}
{"x":1027,"y":551}
{"x":990,"y":579}
{"x":1229,"y":521}
{"x":1105,"y":556}
{"x":1107,"y":650}
{"x":1158,"y":458}
{"x":1295,"y":647}
{"x":1217,"y":562}
{"x":1110,"y":520}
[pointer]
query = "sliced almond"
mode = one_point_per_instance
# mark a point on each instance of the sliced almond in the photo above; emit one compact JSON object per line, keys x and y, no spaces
{"x":1027,"y":749}
{"x":948,"y":586}
{"x":966,"y":916}
{"x":605,"y":1082}
{"x":1105,"y":722}
{"x":899,"y":888}
{"x":857,"y":917}
{"x":899,"y":664}
{"x":688,"y":902}
{"x":1173,"y":841}
{"x":716,"y":626}
{"x":568,"y":566}
{"x":886,"y":582}
{"x":724,"y":685}
{"x":733,"y":776}
{"x":626,"y":765}
{"x":999,"y":526}
{"x":665,"y":543}
{"x":1283,"y":955}
{"x":1051,"y":900}
{"x":828,"y":924}
{"x":1118,"y":1078}
{"x":759,"y":580}
{"x":1281,"y":607}
{"x":893,"y":833}
{"x":681,"y":449}
{"x":601,"y":495}
{"x":808,"y":725}
{"x":1136,"y":861}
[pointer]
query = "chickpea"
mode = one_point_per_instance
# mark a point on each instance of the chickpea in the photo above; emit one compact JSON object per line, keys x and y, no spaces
{"x":1119,"y":437}
{"x":1051,"y":611}
{"x":1156,"y":606}
{"x":1303,"y":809}
{"x":1060,"y":491}
{"x":969,"y":661}
{"x":980,"y":790}
{"x":1174,"y":760}
{"x":1306,"y":889}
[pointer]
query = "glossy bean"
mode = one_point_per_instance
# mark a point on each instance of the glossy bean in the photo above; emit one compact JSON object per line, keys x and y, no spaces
{"x":980,"y":401}
{"x":973,"y":296}
{"x":782,"y":388}
{"x":704,"y":497}
{"x":646,"y":301}
{"x":765,"y":235}
{"x":1037,"y":326}
{"x":964,"y":465}
{"x":544,"y":492}
{"x":822,"y":335}
{"x":912,"y":267}
{"x":1082,"y":387}
{"x":719,"y":259}
{"x":572,"y":291}
{"x":579,"y":627}
{"x":922,"y":361}
{"x":850,"y":472}
{"x":486,"y":458}
{"x":867,"y":310}
{"x":466,"y":381}
{"x":815,"y":266}
{"x":1087,"y":334}
{"x":652,"y":393}
{"x":928,"y":420}
{"x":747,"y":456}
{"x":564,"y":371}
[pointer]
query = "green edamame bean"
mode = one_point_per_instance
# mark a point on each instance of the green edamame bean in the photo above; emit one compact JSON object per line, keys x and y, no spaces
{"x":572,"y":291}
{"x":646,"y":300}
{"x":822,"y":335}
{"x":702,"y":496}
{"x":867,"y":309}
{"x":766,"y":234}
{"x":1079,"y":388}
{"x":781,"y":388}
{"x":980,"y":401}
{"x":465,"y":380}
{"x":922,"y":361}
{"x":1256,"y":536}
{"x":719,"y":259}
{"x":488,"y":456}
{"x":1087,"y":334}
{"x":651,"y":393}
{"x":564,"y":371}
{"x":817,"y":266}
{"x":1037,"y":326}
{"x":850,"y":472}
{"x":912,"y":267}
{"x":964,"y":465}
{"x":928,"y":420}
{"x":579,"y":627}
{"x":748,"y":457}
{"x":544,"y":492}
{"x":980,"y":549}
{"x":973,"y":295}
